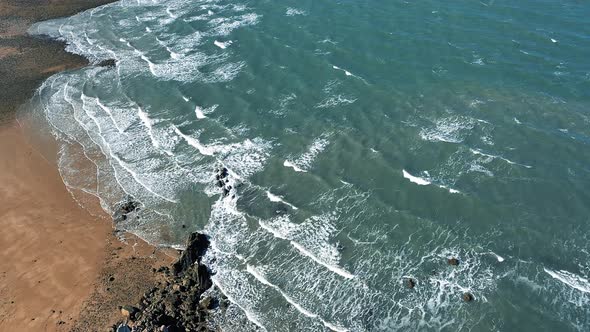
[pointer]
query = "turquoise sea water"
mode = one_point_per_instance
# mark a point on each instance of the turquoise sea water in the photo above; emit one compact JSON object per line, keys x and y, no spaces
{"x":366,"y":143}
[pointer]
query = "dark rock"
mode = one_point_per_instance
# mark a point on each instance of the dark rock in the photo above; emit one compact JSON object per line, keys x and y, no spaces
{"x":107,"y":63}
{"x":125,"y":209}
{"x":197,"y":245}
{"x":225,"y":192}
{"x":468,"y":297}
{"x":223,"y":173}
{"x":129,"y":311}
{"x":174,"y":304}
{"x":220,"y":183}
{"x":411,"y":283}
{"x":453,"y":261}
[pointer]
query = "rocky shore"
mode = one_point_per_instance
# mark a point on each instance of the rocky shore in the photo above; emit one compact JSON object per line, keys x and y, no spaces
{"x":179,"y":302}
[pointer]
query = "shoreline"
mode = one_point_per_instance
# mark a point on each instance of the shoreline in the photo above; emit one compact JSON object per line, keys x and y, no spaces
{"x":62,"y":268}
{"x":29,"y":60}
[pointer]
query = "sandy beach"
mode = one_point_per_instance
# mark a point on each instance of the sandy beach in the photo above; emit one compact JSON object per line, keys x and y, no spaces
{"x":56,"y":259}
{"x":62,"y":268}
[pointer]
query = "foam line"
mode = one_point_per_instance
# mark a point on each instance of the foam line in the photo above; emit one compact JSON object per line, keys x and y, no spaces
{"x":344,"y":70}
{"x":570,"y":279}
{"x":478,"y":152}
{"x":305,"y":252}
{"x":275,"y":198}
{"x":417,"y":180}
{"x":290,"y":164}
{"x":222,"y":45}
{"x":120,"y":162}
{"x":338,"y":270}
{"x":109,"y":112}
{"x":194,"y":143}
{"x":287,"y":298}
{"x":248,"y":314}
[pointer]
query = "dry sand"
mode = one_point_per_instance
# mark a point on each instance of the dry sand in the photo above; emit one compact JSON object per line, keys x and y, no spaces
{"x":56,"y":259}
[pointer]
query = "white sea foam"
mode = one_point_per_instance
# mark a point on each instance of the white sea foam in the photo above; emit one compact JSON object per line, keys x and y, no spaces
{"x":344,"y":70}
{"x":250,"y":315}
{"x":570,"y":279}
{"x":425,"y":182}
{"x":451,"y":129}
{"x":293,"y":166}
{"x":199,"y":113}
{"x":274,"y":198}
{"x":334,"y":101}
{"x":311,"y":238}
{"x":498,"y":257}
{"x":294,"y":11}
{"x":304,"y":162}
{"x":204,"y":150}
{"x":335,"y":269}
{"x":147,"y":122}
{"x":415,"y":179}
{"x":287,"y":298}
{"x":480,"y":153}
{"x":223,"y":45}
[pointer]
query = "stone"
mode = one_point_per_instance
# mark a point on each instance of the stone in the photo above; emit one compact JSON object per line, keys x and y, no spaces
{"x":206,"y":303}
{"x":468,"y":297}
{"x":107,"y":63}
{"x":411,"y":283}
{"x":197,"y":245}
{"x":129,"y":311}
{"x":124,"y":209}
{"x":453,"y":261}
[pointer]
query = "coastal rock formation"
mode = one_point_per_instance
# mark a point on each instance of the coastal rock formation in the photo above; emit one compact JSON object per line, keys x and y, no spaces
{"x":178,"y":304}
{"x":196,"y":247}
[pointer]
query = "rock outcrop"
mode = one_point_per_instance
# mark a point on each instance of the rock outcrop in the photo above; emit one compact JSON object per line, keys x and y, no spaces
{"x":178,"y":303}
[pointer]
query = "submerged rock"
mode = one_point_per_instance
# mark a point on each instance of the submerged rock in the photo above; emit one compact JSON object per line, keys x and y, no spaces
{"x":453,"y":261}
{"x":411,"y":283}
{"x":107,"y":63}
{"x":123,"y":210}
{"x":468,"y":297}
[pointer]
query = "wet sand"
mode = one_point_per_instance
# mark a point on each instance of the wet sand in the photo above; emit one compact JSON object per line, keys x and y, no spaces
{"x":26,"y":61}
{"x":61,"y":267}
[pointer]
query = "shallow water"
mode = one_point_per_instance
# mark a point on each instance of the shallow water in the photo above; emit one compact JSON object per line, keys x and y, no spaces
{"x":366,"y":143}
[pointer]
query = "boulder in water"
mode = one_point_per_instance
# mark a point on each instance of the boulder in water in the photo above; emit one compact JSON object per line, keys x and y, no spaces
{"x":468,"y":297}
{"x":453,"y":261}
{"x":107,"y":63}
{"x":124,"y":209}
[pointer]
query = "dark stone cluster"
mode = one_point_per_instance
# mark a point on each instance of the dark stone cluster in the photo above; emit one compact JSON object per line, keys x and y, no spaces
{"x":453,"y":261}
{"x":108,"y":63}
{"x":125,"y":209}
{"x":222,"y":181}
{"x":178,"y":303}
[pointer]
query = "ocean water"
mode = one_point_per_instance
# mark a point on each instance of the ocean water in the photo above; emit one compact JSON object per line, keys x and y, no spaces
{"x":366,"y":142}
